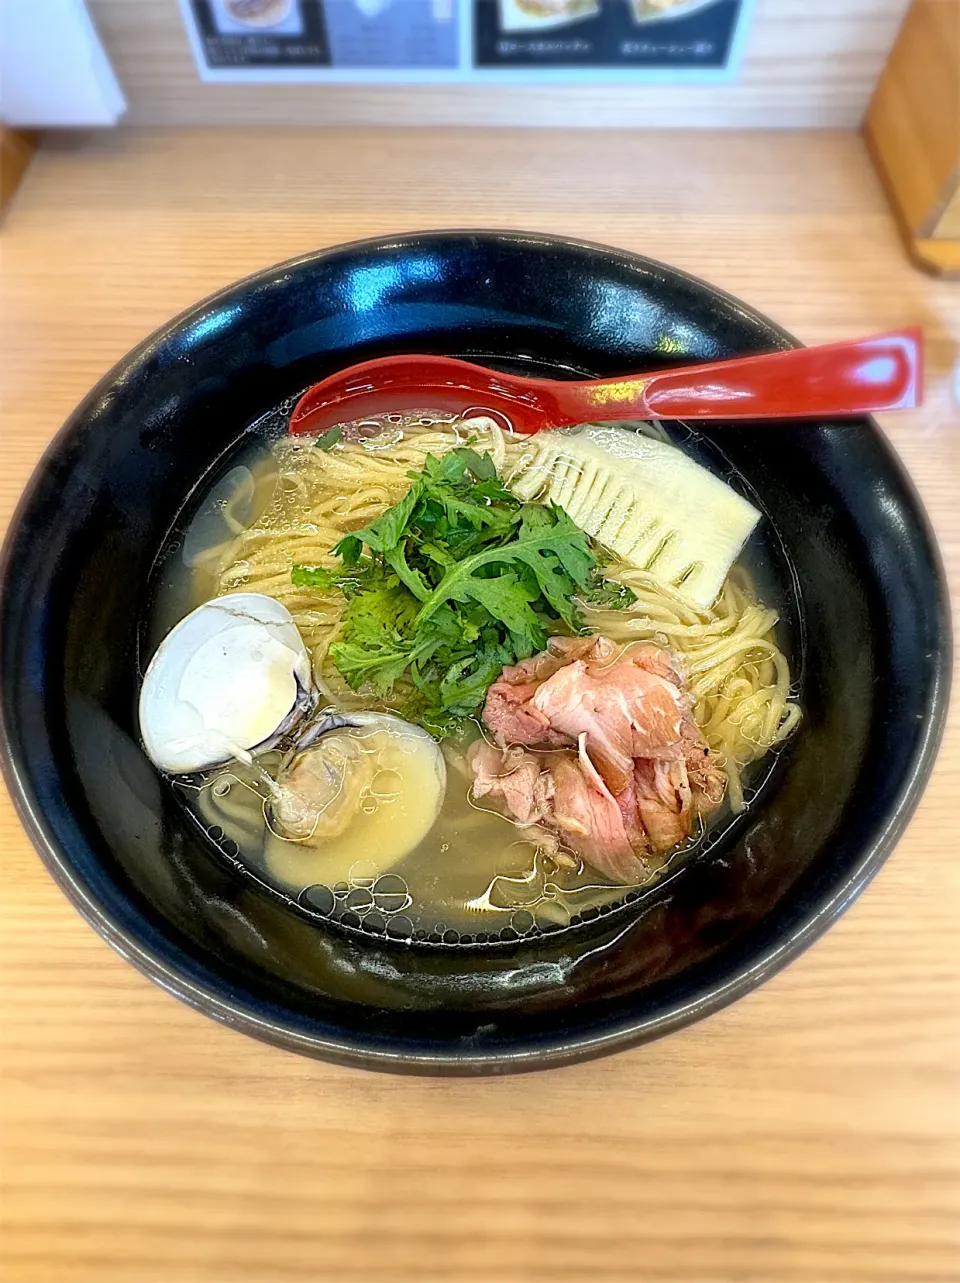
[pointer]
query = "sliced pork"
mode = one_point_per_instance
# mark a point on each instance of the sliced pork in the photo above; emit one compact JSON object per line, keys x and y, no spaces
{"x":597,"y":742}
{"x":513,"y":775}
{"x":509,"y":713}
{"x":588,"y":816}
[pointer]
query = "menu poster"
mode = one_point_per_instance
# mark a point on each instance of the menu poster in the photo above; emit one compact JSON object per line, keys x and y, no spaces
{"x":466,"y":41}
{"x":616,"y":35}
{"x":287,"y":36}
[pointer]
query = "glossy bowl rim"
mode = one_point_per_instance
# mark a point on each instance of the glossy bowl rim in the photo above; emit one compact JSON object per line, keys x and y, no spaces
{"x":562,"y":1049}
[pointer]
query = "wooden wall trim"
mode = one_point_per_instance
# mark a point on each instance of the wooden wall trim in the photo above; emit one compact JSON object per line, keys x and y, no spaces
{"x":913,"y":122}
{"x":16,"y":150}
{"x":913,"y":131}
{"x":948,"y":224}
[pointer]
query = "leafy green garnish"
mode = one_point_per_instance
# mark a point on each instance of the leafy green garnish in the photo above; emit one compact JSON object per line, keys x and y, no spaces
{"x":328,"y":438}
{"x":314,"y":577}
{"x":450,"y":584}
{"x":607,"y":592}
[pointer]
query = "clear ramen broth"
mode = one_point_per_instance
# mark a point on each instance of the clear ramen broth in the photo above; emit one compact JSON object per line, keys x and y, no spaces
{"x":474,"y":875}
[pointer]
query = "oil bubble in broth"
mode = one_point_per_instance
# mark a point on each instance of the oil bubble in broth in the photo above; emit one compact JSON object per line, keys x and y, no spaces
{"x":473,"y":872}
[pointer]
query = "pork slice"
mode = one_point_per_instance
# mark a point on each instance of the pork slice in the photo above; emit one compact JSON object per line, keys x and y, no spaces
{"x":654,"y":660}
{"x":664,"y":802}
{"x":624,"y":710}
{"x":633,"y":825}
{"x":587,"y":814}
{"x":708,"y":779}
{"x":509,"y":713}
{"x":642,"y":772}
{"x":529,"y":673}
{"x":513,"y":776}
{"x":511,"y":718}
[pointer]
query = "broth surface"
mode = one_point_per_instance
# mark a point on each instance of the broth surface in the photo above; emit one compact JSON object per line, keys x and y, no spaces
{"x":476,"y":875}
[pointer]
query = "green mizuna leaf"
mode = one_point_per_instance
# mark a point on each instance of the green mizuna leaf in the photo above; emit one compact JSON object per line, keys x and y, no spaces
{"x":328,"y":439}
{"x":454,"y":581}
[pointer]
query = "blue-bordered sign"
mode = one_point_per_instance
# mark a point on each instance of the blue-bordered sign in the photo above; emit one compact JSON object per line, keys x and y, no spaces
{"x":472,"y":41}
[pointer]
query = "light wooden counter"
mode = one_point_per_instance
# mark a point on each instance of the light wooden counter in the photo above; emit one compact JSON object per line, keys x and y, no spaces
{"x":809,"y":1133}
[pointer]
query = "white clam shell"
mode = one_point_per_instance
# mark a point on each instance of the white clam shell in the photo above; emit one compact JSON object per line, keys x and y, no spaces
{"x":224,"y":681}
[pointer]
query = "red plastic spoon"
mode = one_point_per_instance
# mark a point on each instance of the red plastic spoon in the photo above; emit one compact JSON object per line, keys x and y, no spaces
{"x":858,"y":377}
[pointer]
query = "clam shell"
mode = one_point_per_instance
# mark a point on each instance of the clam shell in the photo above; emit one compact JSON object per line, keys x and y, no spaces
{"x":224,"y":683}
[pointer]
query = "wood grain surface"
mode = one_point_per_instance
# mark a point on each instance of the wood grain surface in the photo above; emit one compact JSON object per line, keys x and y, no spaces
{"x":806,"y":63}
{"x":811,"y":1132}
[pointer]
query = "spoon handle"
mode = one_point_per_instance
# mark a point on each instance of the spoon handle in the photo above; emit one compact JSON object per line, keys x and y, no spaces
{"x":859,"y":377}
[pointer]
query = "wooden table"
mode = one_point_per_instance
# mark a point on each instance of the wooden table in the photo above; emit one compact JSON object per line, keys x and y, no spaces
{"x":810,"y":1132}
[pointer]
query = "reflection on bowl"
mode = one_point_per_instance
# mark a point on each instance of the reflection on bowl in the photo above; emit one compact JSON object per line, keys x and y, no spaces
{"x":873,"y":633}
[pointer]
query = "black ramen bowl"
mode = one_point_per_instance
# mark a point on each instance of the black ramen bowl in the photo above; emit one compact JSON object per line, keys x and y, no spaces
{"x":866,"y":622}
